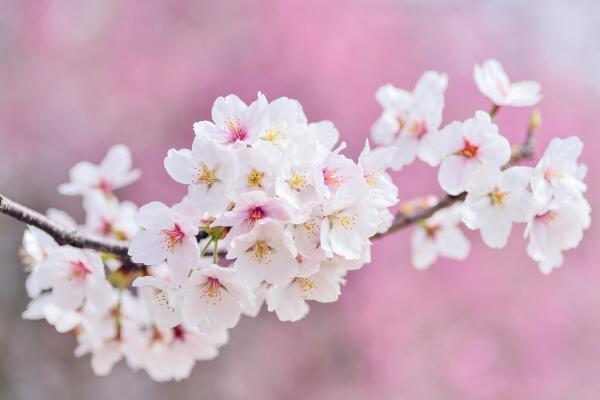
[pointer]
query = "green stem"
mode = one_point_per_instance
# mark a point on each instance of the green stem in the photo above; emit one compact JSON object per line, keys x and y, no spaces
{"x":215,"y":251}
{"x":208,"y":242}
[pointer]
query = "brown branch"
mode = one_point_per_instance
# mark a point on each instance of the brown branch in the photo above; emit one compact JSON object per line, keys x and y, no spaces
{"x":62,"y":236}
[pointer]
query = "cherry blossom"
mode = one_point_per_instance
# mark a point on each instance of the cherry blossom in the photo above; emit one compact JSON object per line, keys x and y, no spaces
{"x":164,"y":299}
{"x":439,"y":236}
{"x":234,"y":122}
{"x":214,"y":299}
{"x":273,"y":212}
{"x":558,"y":174}
{"x":75,"y":275}
{"x":497,"y":199}
{"x":469,"y":147}
{"x":208,"y":169}
{"x":169,"y":234}
{"x":410,"y":121}
{"x":348,"y":224}
{"x":109,"y":217}
{"x":493,"y":82}
{"x":267,"y":253}
{"x":556,"y":227}
{"x":113,"y":172}
{"x":250,"y":209}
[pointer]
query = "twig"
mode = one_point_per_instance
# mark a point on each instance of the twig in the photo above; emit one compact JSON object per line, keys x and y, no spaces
{"x":64,"y":236}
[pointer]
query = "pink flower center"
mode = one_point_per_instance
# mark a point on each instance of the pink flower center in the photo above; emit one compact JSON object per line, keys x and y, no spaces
{"x":431,"y":230}
{"x":419,"y":129}
{"x":331,"y":177}
{"x":254,"y":215}
{"x":79,"y":271}
{"x":212,"y":291}
{"x":469,"y":150}
{"x":172,"y":237}
{"x":236,"y":130}
{"x":105,"y":186}
{"x":547,"y":217}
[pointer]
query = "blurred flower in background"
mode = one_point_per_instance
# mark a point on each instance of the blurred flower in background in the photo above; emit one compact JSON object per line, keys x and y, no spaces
{"x":79,"y":76}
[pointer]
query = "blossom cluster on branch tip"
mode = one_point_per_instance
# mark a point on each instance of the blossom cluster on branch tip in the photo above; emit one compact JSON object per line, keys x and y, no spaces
{"x":274,"y":214}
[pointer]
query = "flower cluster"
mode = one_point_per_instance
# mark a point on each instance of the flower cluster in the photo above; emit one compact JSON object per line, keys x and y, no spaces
{"x":86,"y":292}
{"x":273,"y":213}
{"x":473,"y":159}
{"x":275,"y":195}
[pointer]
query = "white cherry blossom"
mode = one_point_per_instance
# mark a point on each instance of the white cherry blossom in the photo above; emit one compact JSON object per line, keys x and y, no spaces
{"x":164,"y":299}
{"x":267,"y":253}
{"x":234,"y":122}
{"x":75,"y":275}
{"x":374,"y":163}
{"x":113,"y":172}
{"x":497,"y":199}
{"x":288,"y":300}
{"x":110,"y":218}
{"x":348,"y":224}
{"x":439,"y":235}
{"x":410,"y":121}
{"x":493,"y":82}
{"x":558,"y":174}
{"x":556,"y":227}
{"x":170,"y":354}
{"x":214,"y":299}
{"x":250,"y":209}
{"x":208,"y":169}
{"x":470,"y":147}
{"x":169,"y":234}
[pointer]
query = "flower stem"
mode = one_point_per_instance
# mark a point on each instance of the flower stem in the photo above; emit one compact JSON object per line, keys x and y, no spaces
{"x":215,"y":251}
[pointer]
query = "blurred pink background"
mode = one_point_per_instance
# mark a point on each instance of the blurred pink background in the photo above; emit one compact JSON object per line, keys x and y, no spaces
{"x":78,"y":76}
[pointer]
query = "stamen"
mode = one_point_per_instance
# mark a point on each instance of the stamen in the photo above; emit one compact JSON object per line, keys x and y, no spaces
{"x":173,"y":237}
{"x":262,"y":252}
{"x":79,"y":271}
{"x":331,"y":177}
{"x":497,"y":197}
{"x":547,"y":217}
{"x":212,"y":291}
{"x":273,"y":134}
{"x":255,"y":179}
{"x":469,"y":150}
{"x":298,"y":181}
{"x":305,"y":285}
{"x":236,"y":130}
{"x":254,"y":215}
{"x":418,"y":128}
{"x":431,"y":230}
{"x":346,"y":222}
{"x":206,"y":176}
{"x":372,"y":179}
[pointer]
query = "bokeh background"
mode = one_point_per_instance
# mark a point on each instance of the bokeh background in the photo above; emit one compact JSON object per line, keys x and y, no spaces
{"x":77,"y":76}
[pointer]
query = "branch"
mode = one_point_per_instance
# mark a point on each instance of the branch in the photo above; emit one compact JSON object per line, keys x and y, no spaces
{"x":59,"y":233}
{"x":523,"y":151}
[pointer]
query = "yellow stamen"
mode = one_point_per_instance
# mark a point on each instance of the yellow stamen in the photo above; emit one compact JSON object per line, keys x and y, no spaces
{"x":262,"y":252}
{"x":306,"y":286}
{"x":497,"y":197}
{"x":255,"y":179}
{"x":298,"y":181}
{"x":206,"y":176}
{"x":346,"y":222}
